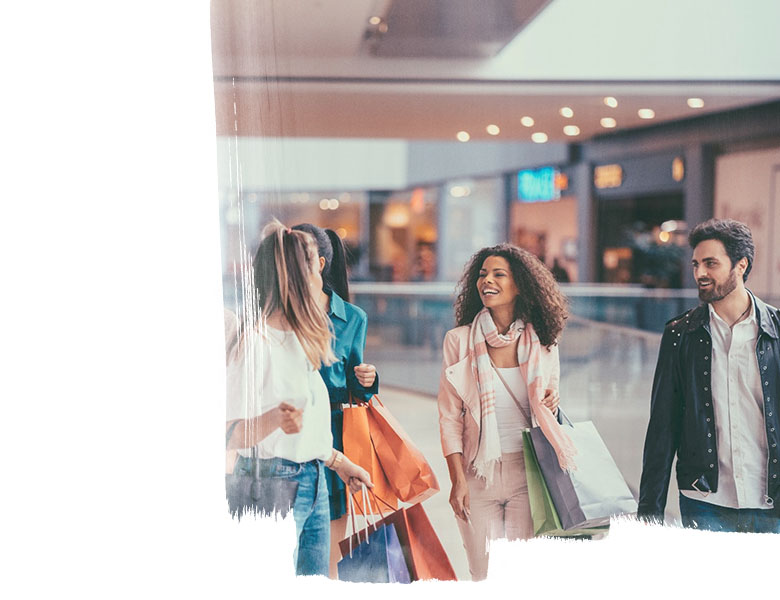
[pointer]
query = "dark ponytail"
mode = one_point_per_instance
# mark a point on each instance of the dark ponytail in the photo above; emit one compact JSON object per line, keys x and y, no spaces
{"x":337,"y":274}
{"x":331,"y":248}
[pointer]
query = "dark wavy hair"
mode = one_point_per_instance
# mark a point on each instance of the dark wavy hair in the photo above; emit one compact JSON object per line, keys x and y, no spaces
{"x":331,"y":248}
{"x":540,"y":301}
{"x":735,"y":237}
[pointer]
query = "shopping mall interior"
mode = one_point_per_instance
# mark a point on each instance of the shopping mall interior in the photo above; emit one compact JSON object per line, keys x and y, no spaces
{"x":593,"y":134}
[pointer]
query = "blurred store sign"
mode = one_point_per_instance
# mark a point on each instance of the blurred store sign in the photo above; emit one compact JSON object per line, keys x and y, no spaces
{"x":608,"y":176}
{"x":678,"y":168}
{"x":541,"y":185}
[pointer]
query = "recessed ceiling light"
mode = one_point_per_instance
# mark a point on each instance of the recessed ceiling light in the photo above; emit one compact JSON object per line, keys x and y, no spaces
{"x":539,"y":137}
{"x":459,"y":191}
{"x":527,"y":122}
{"x":566,"y":112}
{"x":324,"y":204}
{"x":646,"y":113}
{"x":463,"y":136}
{"x":611,"y":101}
{"x":695,"y":102}
{"x":333,"y":204}
{"x":608,"y":122}
{"x":493,"y":129}
{"x":571,"y":130}
{"x":375,"y":20}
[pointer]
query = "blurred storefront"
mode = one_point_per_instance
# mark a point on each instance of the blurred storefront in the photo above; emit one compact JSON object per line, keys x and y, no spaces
{"x":244,"y":216}
{"x":403,"y":235}
{"x":747,"y":188}
{"x":543,"y":218}
{"x":640,"y":212}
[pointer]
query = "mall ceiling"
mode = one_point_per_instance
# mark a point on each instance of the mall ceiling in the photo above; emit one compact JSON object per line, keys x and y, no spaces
{"x":428,"y":70}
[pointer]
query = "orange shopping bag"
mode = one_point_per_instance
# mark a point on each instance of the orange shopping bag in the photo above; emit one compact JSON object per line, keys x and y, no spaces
{"x":359,"y":449}
{"x":410,"y":476}
{"x":425,"y":556}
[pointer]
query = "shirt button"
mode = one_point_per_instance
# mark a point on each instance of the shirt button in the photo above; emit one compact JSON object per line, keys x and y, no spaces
{"x":710,"y":450}
{"x":712,"y":466}
{"x":774,"y":460}
{"x":706,"y":358}
{"x":761,"y":352}
{"x":706,"y":373}
{"x":764,"y":367}
{"x":770,"y":414}
{"x":708,"y":419}
{"x":709,"y":435}
{"x":706,"y":404}
{"x":706,"y":389}
{"x":771,"y":429}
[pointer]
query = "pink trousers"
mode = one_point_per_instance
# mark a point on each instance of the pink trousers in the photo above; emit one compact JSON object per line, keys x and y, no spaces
{"x":500,"y":510}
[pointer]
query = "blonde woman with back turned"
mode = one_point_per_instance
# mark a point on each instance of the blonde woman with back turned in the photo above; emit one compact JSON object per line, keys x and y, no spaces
{"x":277,"y":400}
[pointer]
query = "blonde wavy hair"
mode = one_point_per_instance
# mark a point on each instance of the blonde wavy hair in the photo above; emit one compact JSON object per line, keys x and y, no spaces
{"x":281,"y":273}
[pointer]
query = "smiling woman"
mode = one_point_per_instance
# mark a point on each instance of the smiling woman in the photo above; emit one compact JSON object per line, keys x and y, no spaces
{"x":500,"y":374}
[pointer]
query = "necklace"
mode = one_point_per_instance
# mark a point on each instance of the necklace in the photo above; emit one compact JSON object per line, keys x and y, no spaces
{"x":739,"y":318}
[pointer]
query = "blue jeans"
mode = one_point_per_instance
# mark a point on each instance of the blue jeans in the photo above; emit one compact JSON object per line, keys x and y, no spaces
{"x":703,"y":515}
{"x":311,"y":511}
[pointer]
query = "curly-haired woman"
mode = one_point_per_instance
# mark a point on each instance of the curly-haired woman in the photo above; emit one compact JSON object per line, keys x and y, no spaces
{"x":500,"y":375}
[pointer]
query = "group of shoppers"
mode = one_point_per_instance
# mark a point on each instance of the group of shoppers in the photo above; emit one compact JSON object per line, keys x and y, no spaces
{"x":298,"y":357}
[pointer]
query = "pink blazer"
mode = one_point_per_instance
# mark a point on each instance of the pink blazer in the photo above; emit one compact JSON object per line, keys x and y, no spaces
{"x":459,"y":411}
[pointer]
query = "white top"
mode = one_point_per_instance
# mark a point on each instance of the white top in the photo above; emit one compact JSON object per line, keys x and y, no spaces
{"x":737,"y":400}
{"x":270,"y":369}
{"x":511,"y":420}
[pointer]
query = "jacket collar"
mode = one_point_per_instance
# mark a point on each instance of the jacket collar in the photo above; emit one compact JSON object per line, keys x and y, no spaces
{"x":700,"y":317}
{"x":336,"y":306}
{"x":764,"y":317}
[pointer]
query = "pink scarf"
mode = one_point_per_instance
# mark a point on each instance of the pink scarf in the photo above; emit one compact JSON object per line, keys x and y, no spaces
{"x":536,"y":373}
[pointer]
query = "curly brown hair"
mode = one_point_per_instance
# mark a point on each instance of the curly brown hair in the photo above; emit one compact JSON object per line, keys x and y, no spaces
{"x":540,"y":301}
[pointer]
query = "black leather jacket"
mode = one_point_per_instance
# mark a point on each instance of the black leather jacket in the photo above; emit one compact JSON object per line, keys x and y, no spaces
{"x":682,"y":419}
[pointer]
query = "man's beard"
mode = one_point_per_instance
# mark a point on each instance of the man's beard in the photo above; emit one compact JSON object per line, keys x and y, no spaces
{"x":718,"y":292}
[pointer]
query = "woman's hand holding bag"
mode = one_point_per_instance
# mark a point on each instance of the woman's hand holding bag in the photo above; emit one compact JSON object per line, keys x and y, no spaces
{"x":354,"y":476}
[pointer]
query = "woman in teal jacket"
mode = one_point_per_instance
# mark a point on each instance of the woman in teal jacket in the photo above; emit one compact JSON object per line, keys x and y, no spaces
{"x":349,"y":375}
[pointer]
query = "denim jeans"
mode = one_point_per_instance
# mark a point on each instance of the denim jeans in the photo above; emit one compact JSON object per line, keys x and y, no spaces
{"x":311,"y":511}
{"x":703,"y":515}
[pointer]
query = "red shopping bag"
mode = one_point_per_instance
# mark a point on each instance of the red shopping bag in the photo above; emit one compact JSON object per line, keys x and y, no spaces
{"x":409,"y":475}
{"x":359,"y":449}
{"x":424,"y":554}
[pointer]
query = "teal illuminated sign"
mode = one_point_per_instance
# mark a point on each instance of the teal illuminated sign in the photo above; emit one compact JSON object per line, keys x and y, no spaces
{"x":538,"y":185}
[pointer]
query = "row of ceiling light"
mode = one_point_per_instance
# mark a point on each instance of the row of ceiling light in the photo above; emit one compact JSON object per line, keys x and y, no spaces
{"x":572,"y":130}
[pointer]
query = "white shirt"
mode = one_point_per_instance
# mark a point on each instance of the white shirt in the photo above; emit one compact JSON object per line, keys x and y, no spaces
{"x":737,"y":400}
{"x":272,"y":368}
{"x":511,"y":420}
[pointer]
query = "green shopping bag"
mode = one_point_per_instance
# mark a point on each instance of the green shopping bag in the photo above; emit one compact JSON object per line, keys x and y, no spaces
{"x":543,"y":513}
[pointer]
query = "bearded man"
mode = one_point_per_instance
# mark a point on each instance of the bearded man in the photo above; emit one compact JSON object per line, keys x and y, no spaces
{"x":715,"y":396}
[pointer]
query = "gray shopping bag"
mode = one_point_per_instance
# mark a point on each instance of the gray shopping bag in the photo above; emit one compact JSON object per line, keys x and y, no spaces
{"x":595,"y":490}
